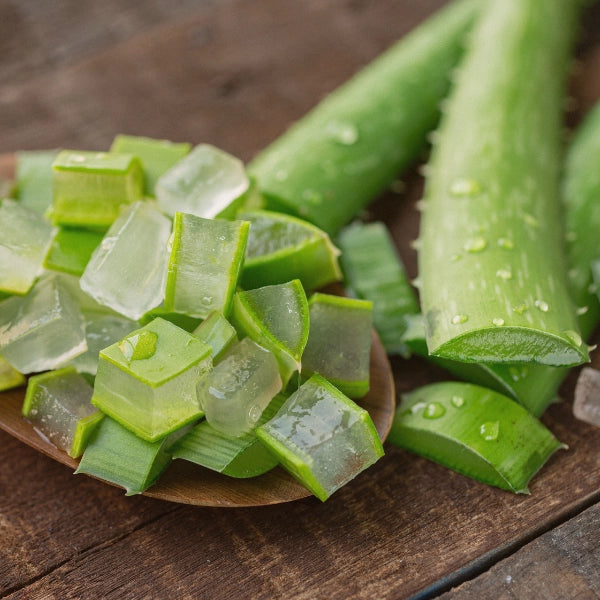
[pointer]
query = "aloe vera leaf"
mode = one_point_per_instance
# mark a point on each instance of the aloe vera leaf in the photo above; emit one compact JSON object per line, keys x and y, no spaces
{"x":491,"y":265}
{"x":475,"y":431}
{"x":342,"y":154}
{"x":374,"y":271}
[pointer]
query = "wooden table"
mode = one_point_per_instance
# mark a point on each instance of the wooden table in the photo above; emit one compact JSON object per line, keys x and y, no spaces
{"x":235,"y":73}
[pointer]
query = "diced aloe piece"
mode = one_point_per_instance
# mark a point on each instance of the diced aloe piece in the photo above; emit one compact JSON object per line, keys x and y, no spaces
{"x":43,"y":329}
{"x":281,"y":248}
{"x":204,"y":265}
{"x":24,"y":240}
{"x":217,"y":332}
{"x":474,"y":431}
{"x":156,"y":156}
{"x":207,"y":183}
{"x":34,"y":178}
{"x":9,"y":377}
{"x":71,"y":250}
{"x":147,"y":381}
{"x":89,"y":187}
{"x":235,"y":393}
{"x":117,"y":455}
{"x":321,"y":437}
{"x":240,"y":456}
{"x":339,"y":342}
{"x":374,"y":272}
{"x":276,"y":317}
{"x":127,"y":271}
{"x":58,"y":405}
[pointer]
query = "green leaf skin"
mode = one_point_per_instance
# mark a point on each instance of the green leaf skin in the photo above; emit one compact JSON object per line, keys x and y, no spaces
{"x":348,"y":149}
{"x":71,"y":250}
{"x":492,"y":269}
{"x":474,"y":431}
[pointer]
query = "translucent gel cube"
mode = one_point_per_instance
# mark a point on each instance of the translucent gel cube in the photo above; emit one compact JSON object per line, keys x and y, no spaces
{"x":205,"y":183}
{"x":148,"y":380}
{"x":235,"y":393}
{"x":24,"y":240}
{"x":43,"y":329}
{"x":56,"y":402}
{"x":321,"y":437}
{"x":127,"y":271}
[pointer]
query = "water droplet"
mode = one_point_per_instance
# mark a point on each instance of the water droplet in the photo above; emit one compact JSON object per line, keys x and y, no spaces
{"x":108,"y":243}
{"x":207,"y":300}
{"x":139,"y":346}
{"x":457,"y":401}
{"x":574,"y":337}
{"x":505,"y":274}
{"x":506,"y":243}
{"x":254,"y":413}
{"x":415,"y":408}
{"x":520,"y":308}
{"x":498,"y":322}
{"x":433,"y":410}
{"x":459,"y":319}
{"x":476,"y":244}
{"x":530,"y":220}
{"x":490,"y":430}
{"x":465,"y":187}
{"x":518,"y":373}
{"x":541,"y":305}
{"x":312,"y":197}
{"x":582,"y":310}
{"x":342,"y":132}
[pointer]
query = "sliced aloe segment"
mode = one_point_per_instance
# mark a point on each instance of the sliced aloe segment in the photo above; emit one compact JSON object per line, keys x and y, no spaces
{"x":9,"y":377}
{"x":321,"y":437}
{"x":33,"y":178}
{"x":281,"y":248}
{"x":374,"y":271}
{"x":217,"y":332}
{"x":71,"y":250}
{"x":276,"y":317}
{"x":58,"y":405}
{"x":475,"y":431}
{"x":89,"y":187}
{"x":156,"y":156}
{"x":241,"y":456}
{"x":117,"y":455}
{"x":339,"y":342}
{"x":148,"y":380}
{"x":204,"y":265}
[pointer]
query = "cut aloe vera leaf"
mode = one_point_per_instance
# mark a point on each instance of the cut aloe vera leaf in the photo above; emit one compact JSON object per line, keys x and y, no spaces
{"x":217,"y":332}
{"x":374,"y":271}
{"x":208,"y":183}
{"x":57,"y":403}
{"x":204,"y":265}
{"x":475,"y":431}
{"x":42,"y":330}
{"x":156,"y":156}
{"x":117,"y":455}
{"x":237,"y":390}
{"x":9,"y":377}
{"x":339,"y":342}
{"x":147,"y":381}
{"x":24,"y":240}
{"x":321,"y":437}
{"x":276,"y":317}
{"x":89,"y":187}
{"x":71,"y":250}
{"x":127,"y":271}
{"x":353,"y":145}
{"x":241,"y":456}
{"x":281,"y":248}
{"x":33,"y":178}
{"x":498,"y":291}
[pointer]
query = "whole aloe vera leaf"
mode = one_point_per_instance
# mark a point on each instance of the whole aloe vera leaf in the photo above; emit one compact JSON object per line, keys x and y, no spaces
{"x":350,"y":147}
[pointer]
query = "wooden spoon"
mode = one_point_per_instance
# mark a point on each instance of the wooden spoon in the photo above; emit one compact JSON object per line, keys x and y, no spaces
{"x":187,"y":483}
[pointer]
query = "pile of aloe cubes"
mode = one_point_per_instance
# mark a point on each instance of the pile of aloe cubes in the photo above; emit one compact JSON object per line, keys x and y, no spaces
{"x":160,"y":312}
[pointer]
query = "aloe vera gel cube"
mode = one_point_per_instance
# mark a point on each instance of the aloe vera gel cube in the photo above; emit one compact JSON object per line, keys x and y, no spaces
{"x":24,"y":240}
{"x":58,"y":405}
{"x":42,"y":330}
{"x":204,"y":265}
{"x":148,"y":380}
{"x":9,"y":377}
{"x":208,"y":182}
{"x":89,"y":187}
{"x":34,"y":178}
{"x":127,"y":270}
{"x":217,"y":332}
{"x":321,"y":437}
{"x":237,"y":390}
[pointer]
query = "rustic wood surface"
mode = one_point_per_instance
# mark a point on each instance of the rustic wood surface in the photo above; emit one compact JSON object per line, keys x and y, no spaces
{"x":235,"y":73}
